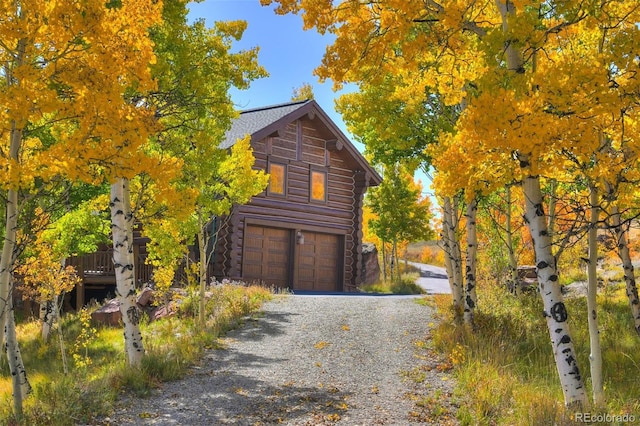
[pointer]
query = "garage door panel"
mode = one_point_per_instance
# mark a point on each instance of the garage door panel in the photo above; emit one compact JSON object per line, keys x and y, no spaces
{"x":316,"y":264}
{"x":266,"y":255}
{"x":274,"y":273}
{"x":306,"y":261}
{"x":278,"y":258}
{"x":253,"y":255}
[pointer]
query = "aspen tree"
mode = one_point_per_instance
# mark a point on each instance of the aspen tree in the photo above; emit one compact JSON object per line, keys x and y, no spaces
{"x":471,"y":299}
{"x":622,"y":244}
{"x":402,"y":214}
{"x":68,"y":67}
{"x":453,"y":254}
{"x":595,"y":355}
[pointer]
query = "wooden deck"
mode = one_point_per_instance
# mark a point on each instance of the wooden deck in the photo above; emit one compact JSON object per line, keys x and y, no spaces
{"x":97,"y":272}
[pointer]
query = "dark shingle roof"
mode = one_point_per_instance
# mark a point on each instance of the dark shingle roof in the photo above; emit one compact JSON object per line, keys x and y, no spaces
{"x":253,"y":120}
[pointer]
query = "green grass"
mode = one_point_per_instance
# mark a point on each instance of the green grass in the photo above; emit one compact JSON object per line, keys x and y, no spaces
{"x":96,"y":377}
{"x":573,"y":276}
{"x":406,"y":285}
{"x":505,"y":369}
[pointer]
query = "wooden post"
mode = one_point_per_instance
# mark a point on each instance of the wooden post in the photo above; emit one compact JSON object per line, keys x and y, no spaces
{"x":80,"y":285}
{"x":136,"y":263}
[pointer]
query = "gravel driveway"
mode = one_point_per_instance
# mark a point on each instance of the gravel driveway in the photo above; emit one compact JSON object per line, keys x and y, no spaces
{"x":312,"y":360}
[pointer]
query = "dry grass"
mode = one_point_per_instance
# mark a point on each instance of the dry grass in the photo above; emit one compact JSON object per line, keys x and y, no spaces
{"x":91,"y":387}
{"x":405,"y":285}
{"x":505,"y":369}
{"x":426,"y":252}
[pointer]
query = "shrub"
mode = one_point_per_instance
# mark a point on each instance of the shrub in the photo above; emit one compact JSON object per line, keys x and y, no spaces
{"x":432,"y":255}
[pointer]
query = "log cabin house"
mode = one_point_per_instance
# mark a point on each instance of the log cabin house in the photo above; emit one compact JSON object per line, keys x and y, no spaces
{"x":304,"y":232}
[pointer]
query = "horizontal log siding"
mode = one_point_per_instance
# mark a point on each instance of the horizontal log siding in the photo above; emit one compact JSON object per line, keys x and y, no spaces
{"x":293,"y":212}
{"x":313,"y":144}
{"x":283,"y":146}
{"x":236,"y":232}
{"x":260,"y":146}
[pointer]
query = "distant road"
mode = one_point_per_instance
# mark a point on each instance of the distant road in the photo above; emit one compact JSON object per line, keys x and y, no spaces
{"x":433,"y":279}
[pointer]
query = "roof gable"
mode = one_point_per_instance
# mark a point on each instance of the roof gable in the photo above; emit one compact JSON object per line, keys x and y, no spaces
{"x":262,"y":122}
{"x":253,"y":120}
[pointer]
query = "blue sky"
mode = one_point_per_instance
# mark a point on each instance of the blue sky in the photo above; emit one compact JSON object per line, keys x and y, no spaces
{"x":287,"y":52}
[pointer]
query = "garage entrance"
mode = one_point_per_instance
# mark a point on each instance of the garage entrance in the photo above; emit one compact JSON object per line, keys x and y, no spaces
{"x":277,"y":256}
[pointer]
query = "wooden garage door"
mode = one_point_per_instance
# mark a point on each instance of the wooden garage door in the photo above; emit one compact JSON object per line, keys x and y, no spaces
{"x":317,"y":262}
{"x":267,"y":253}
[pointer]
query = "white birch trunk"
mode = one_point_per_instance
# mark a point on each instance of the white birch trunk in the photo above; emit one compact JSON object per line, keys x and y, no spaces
{"x":452,"y":251}
{"x":49,"y":312}
{"x":513,"y":263}
{"x":554,"y":307}
{"x":10,"y":231}
{"x":392,"y":265}
{"x":457,"y":257}
{"x":555,"y":310}
{"x":21,"y":387}
{"x":47,"y":316}
{"x":471,"y":298}
{"x":622,"y":240}
{"x":124,"y":265}
{"x":448,"y":266}
{"x":392,"y":262}
{"x":446,"y":245}
{"x":56,"y":316}
{"x":395,"y":268}
{"x":444,"y":239}
{"x":8,"y":339}
{"x":595,"y":356}
{"x":63,"y":349}
{"x":7,"y":260}
{"x":202,"y":245}
{"x":553,"y":203}
{"x":384,"y":262}
{"x":11,"y":211}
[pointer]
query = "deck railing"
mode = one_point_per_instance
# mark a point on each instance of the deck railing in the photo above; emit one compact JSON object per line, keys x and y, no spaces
{"x":98,"y":267}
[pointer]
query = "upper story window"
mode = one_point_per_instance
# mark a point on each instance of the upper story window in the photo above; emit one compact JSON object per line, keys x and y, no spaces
{"x":277,"y":178}
{"x":318,"y":185}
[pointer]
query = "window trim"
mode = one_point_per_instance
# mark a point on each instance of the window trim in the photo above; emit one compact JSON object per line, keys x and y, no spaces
{"x":325,"y":175}
{"x":285,"y":168}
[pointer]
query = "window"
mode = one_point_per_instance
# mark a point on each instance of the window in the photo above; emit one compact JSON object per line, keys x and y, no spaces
{"x":318,"y":186}
{"x":277,"y":178}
